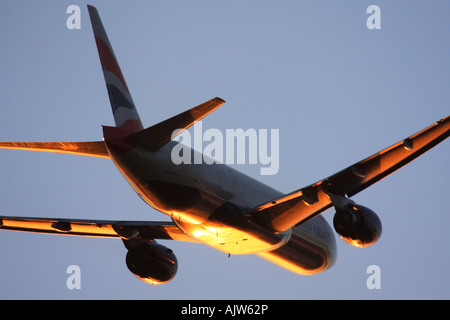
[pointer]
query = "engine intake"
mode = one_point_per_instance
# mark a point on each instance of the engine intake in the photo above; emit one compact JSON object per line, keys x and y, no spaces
{"x":357,"y":225}
{"x":152,"y":262}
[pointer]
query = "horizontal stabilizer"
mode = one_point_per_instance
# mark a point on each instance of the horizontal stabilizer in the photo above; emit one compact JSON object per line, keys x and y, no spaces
{"x":88,"y":148}
{"x":158,"y":135}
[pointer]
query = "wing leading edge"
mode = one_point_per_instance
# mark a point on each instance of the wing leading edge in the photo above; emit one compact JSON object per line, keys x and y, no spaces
{"x":301,"y":205}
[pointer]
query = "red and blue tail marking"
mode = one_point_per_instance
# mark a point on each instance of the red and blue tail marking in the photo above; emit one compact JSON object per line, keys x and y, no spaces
{"x":124,"y":110}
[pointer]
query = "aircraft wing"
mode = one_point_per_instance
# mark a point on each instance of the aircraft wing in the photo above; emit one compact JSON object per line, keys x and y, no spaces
{"x":96,"y":228}
{"x":301,"y":205}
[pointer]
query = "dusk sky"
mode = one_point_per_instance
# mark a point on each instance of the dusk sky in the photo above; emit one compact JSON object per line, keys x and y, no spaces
{"x":336,"y":90}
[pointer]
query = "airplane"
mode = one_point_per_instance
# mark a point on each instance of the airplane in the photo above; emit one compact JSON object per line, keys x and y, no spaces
{"x":213,"y":204}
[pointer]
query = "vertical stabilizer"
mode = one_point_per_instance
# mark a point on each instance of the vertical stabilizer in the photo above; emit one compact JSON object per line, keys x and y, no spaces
{"x":124,"y":110}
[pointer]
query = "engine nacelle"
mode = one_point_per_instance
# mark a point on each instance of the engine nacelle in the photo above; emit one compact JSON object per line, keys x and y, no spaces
{"x":357,"y":225}
{"x":152,"y":262}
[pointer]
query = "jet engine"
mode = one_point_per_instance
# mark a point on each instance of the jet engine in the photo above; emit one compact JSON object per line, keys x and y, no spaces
{"x":152,"y":262}
{"x":357,"y":225}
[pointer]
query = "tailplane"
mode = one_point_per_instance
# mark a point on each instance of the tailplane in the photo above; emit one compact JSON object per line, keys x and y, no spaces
{"x":159,"y":134}
{"x":124,"y":110}
{"x":83,"y":148}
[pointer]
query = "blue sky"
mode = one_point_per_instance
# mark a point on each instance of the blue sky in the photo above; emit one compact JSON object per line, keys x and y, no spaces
{"x":337,"y":91}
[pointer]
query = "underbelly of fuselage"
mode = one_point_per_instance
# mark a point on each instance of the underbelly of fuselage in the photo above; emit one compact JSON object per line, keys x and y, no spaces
{"x":229,"y":231}
{"x":211,"y":220}
{"x":210,"y":207}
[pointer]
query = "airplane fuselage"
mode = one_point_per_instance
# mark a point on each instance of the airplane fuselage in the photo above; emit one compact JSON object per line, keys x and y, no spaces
{"x":208,"y":202}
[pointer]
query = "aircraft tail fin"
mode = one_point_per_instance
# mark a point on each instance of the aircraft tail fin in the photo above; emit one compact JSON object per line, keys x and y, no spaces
{"x":125,"y":114}
{"x":124,"y":110}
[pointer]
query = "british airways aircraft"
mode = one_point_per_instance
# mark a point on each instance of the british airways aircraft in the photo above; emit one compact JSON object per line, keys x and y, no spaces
{"x":212,"y":203}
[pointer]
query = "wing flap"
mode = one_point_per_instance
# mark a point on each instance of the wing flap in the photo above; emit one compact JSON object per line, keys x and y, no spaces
{"x":85,"y":148}
{"x":96,"y":228}
{"x":301,"y":205}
